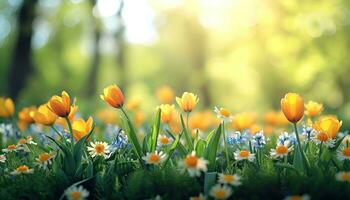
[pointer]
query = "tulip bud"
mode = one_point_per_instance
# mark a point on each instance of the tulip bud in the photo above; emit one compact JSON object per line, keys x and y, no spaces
{"x":187,"y":102}
{"x":329,"y":125}
{"x":292,"y":106}
{"x":7,"y":107}
{"x":60,"y":105}
{"x":81,"y":128}
{"x":313,"y":109}
{"x":113,"y":96}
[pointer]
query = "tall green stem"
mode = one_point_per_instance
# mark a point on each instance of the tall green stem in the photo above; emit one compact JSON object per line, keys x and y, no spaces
{"x":70,"y":130}
{"x":306,"y":162}
{"x":225,"y":143}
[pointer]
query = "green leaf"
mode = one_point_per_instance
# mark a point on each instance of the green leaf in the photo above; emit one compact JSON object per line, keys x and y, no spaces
{"x":212,"y":147}
{"x":155,"y":131}
{"x":286,"y":166}
{"x":200,"y":147}
{"x":187,"y":136}
{"x":298,"y":162}
{"x":78,"y":147}
{"x":130,"y":131}
{"x":337,"y":144}
{"x":173,"y":147}
{"x":182,"y":150}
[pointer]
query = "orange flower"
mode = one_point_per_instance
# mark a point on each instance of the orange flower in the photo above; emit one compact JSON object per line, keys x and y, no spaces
{"x":187,"y":102}
{"x":113,"y":96}
{"x":24,"y":115}
{"x":167,"y":112}
{"x":329,"y":125}
{"x":43,"y":115}
{"x":201,"y":120}
{"x":60,"y":105}
{"x":7,"y":107}
{"x":313,"y":108}
{"x":165,"y":94}
{"x":292,"y":106}
{"x":81,"y":127}
{"x":242,"y":121}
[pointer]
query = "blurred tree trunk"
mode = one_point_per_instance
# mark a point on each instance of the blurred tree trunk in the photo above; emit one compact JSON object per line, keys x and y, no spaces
{"x":95,"y":59}
{"x":120,"y":40}
{"x":21,"y":64}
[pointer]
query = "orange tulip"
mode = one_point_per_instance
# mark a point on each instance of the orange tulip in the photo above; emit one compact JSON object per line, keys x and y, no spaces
{"x":43,"y":115}
{"x":60,"y":105}
{"x":81,"y":127}
{"x":313,"y":109}
{"x":292,"y":106}
{"x":7,"y":107}
{"x":167,"y":112}
{"x":113,"y":96}
{"x":24,"y":115}
{"x":329,"y":125}
{"x":165,"y":94}
{"x":187,"y":102}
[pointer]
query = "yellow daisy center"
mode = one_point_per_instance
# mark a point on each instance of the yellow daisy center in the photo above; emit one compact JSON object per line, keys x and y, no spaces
{"x":154,"y":158}
{"x":228,"y":178}
{"x":164,"y":140}
{"x":244,"y":154}
{"x":281,"y":149}
{"x":224,"y":112}
{"x":191,"y":161}
{"x":22,"y":168}
{"x":220,"y":194}
{"x":75,"y":195}
{"x":323,"y":137}
{"x":11,"y":147}
{"x":346,"y":151}
{"x":44,"y":157}
{"x":100,"y":148}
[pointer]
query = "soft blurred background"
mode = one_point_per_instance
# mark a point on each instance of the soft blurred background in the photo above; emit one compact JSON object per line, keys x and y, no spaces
{"x":243,"y":55}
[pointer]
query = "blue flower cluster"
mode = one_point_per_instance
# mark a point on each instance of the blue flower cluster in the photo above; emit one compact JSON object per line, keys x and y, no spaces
{"x":285,"y":139}
{"x":259,"y":140}
{"x":238,"y":138}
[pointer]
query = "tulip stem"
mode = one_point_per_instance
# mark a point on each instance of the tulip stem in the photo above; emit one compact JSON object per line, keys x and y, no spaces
{"x":189,"y":134}
{"x":225,"y":143}
{"x":320,"y":151}
{"x":53,"y":128}
{"x":70,"y":130}
{"x":299,"y":146}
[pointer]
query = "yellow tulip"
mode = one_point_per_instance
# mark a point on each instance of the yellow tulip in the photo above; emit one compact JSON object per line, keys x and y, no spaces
{"x":24,"y":115}
{"x":43,"y":115}
{"x":242,"y":121}
{"x":167,"y":112}
{"x":292,"y":106}
{"x":7,"y":107}
{"x":60,"y":105}
{"x":313,"y":109}
{"x":165,"y":94}
{"x":81,"y":127}
{"x":113,"y":96}
{"x":187,"y":102}
{"x":329,"y":125}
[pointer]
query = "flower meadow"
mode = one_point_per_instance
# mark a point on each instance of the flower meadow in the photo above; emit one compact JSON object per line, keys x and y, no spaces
{"x":51,"y":152}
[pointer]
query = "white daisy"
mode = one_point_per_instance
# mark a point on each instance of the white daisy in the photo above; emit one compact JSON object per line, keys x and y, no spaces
{"x":323,"y":138}
{"x":44,"y":159}
{"x":23,"y":169}
{"x":223,"y":114}
{"x":194,"y":165}
{"x":244,"y":155}
{"x":164,"y":140}
{"x":154,"y":158}
{"x":297,"y":197}
{"x":99,"y":149}
{"x":10,"y":148}
{"x":2,"y":158}
{"x":220,"y":191}
{"x":199,"y":197}
{"x":76,"y":193}
{"x":343,"y":153}
{"x":232,"y":179}
{"x":280,"y":151}
{"x":343,"y":176}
